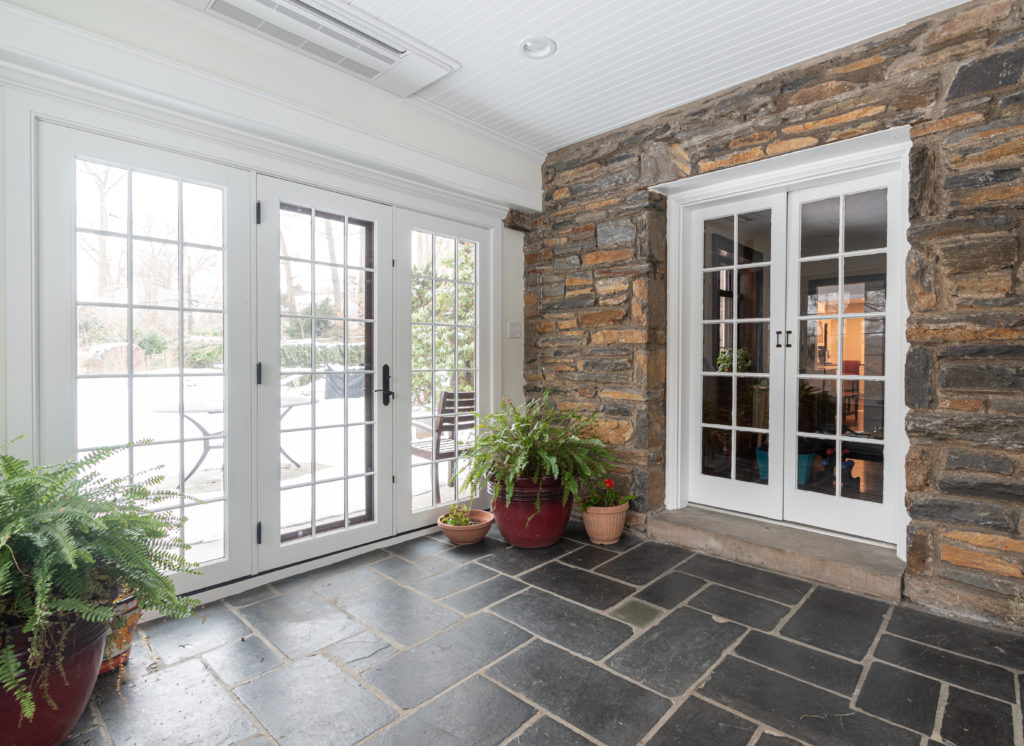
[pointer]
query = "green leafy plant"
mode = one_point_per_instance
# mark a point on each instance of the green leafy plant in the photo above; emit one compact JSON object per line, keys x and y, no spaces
{"x":70,"y":541}
{"x":536,"y":440}
{"x":605,"y":497}
{"x":457,"y":515}
{"x":725,"y":360}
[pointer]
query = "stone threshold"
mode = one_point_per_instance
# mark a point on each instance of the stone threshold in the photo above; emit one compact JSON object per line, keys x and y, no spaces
{"x":830,"y":560}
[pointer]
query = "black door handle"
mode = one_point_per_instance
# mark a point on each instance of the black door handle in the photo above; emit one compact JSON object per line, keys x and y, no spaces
{"x":388,"y":393}
{"x":778,"y":339}
{"x":788,"y":342}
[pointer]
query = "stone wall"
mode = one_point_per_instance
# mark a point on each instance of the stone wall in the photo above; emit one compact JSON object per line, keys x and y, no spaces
{"x":595,"y":274}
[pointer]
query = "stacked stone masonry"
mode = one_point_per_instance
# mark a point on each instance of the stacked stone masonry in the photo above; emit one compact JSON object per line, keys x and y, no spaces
{"x":595,"y":294}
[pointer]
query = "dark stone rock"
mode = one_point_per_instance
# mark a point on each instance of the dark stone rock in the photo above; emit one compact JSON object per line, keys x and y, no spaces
{"x":208,"y":627}
{"x":671,"y":590}
{"x":564,"y":623}
{"x":986,"y":74}
{"x":565,"y":304}
{"x":752,"y":580}
{"x":613,"y":710}
{"x":917,"y":377}
{"x":401,"y":570}
{"x":578,"y":585}
{"x":513,"y":560}
{"x":981,"y":376}
{"x":420,"y":548}
{"x":677,"y":651}
{"x":300,"y":623}
{"x":974,"y":179}
{"x":959,"y":458}
{"x":1001,"y":648}
{"x":567,"y":262}
{"x":589,"y":557}
{"x":251,"y":596}
{"x":476,"y":713}
{"x":961,"y":512}
{"x":947,"y":666}
{"x":797,"y":709}
{"x":615,"y":234}
{"x":838,"y":622}
{"x":700,"y":723}
{"x":900,"y":696}
{"x":484,"y":594}
{"x":401,"y":614}
{"x":361,"y":651}
{"x":305,"y":700}
{"x":770,"y":739}
{"x":801,"y":662}
{"x":956,"y":227}
{"x":417,"y":674}
{"x":1010,"y":490}
{"x":991,"y":351}
{"x":971,"y":718}
{"x":548,"y":732}
{"x":337,"y":585}
{"x":636,"y":612}
{"x":997,"y":431}
{"x":242,"y":660}
{"x":453,"y":581}
{"x":740,"y":607}
{"x":643,"y":564}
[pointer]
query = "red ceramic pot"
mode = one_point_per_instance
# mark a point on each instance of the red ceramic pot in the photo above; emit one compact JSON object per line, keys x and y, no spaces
{"x":517,"y":522}
{"x":82,"y":654}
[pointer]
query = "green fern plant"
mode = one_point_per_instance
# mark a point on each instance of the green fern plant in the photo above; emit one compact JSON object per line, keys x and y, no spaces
{"x":536,"y":440}
{"x":70,"y":540}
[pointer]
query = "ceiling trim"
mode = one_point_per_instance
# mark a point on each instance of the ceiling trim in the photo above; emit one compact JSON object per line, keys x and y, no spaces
{"x":57,"y":54}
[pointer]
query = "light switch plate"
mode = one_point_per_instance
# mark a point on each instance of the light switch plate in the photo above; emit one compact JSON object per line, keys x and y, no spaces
{"x":515,"y":329}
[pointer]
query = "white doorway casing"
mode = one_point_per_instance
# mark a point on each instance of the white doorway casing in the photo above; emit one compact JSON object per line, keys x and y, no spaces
{"x":882,"y":154}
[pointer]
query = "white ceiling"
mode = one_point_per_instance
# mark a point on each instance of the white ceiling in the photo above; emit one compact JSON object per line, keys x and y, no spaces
{"x":619,"y":60}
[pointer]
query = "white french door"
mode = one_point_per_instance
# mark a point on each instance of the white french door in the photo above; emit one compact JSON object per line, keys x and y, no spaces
{"x":325,"y":353}
{"x":798,"y":300}
{"x":144,"y":325}
{"x":441,"y":267}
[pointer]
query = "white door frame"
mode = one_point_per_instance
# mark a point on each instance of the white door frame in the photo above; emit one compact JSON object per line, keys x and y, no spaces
{"x":880,"y":152}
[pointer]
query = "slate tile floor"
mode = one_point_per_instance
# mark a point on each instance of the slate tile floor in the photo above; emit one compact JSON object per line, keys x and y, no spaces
{"x":429,"y":644}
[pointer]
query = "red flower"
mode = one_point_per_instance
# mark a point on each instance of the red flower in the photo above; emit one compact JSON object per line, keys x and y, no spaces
{"x":609,"y":483}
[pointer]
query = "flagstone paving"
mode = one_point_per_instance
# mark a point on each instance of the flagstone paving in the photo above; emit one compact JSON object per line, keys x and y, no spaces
{"x":426,"y":643}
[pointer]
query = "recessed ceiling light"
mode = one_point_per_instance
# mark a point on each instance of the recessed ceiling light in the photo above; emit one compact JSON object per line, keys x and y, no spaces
{"x":537,"y":47}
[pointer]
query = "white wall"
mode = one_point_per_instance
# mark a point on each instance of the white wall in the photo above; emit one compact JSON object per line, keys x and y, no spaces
{"x":511,"y":310}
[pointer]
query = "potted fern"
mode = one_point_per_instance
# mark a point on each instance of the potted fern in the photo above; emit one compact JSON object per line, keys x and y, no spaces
{"x":70,"y":541}
{"x":534,"y":459}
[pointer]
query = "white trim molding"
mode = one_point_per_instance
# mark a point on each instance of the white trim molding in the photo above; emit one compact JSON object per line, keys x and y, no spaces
{"x":881,"y":152}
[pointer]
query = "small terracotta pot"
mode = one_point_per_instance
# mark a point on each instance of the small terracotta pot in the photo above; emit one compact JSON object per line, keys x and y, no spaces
{"x":472,"y":533}
{"x":605,"y":525}
{"x":122,"y":629}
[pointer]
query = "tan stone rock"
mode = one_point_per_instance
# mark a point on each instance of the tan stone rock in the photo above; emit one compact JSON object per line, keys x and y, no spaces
{"x":601,"y":318}
{"x":850,"y":67}
{"x":962,"y":557}
{"x":619,"y":336}
{"x":560,"y":193}
{"x":529,"y":299}
{"x":1004,"y":152}
{"x":735,"y":159}
{"x":850,"y":116}
{"x":637,"y":313}
{"x":612,"y":431}
{"x":545,"y":326}
{"x":986,"y":541}
{"x":793,"y":143}
{"x":622,"y":394}
{"x":612,"y":285}
{"x":754,"y":138}
{"x":962,"y":405}
{"x":604,"y":257}
{"x":946,"y":123}
{"x":656,"y":368}
{"x":537,"y":257}
{"x":917,"y":466}
{"x":577,"y":281}
{"x":568,"y":324}
{"x":820,"y":91}
{"x":992,"y":284}
{"x":978,"y":18}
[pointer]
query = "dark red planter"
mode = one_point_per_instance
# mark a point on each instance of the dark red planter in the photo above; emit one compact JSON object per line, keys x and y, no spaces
{"x":515,"y":522}
{"x":82,"y":655}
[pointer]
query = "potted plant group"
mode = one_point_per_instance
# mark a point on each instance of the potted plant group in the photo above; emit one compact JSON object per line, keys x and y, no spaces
{"x":464,"y":525}
{"x":604,"y":513}
{"x":535,"y":458}
{"x":71,"y":540}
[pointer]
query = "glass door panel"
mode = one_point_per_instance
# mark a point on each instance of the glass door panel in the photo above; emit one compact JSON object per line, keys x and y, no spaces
{"x":441,"y":263}
{"x":161,"y":331}
{"x":322,"y":355}
{"x":737,"y":354}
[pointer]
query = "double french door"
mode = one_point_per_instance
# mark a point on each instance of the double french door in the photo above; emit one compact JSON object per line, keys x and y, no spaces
{"x":284,"y":355}
{"x":796,"y":318}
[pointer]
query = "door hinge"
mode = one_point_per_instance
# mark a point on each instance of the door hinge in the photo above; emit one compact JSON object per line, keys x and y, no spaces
{"x":259,"y":373}
{"x":392,"y":479}
{"x":258,"y":212}
{"x":259,"y":532}
{"x":392,"y":262}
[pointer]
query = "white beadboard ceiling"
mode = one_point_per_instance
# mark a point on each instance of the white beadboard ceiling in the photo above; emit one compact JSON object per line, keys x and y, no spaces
{"x":619,"y":60}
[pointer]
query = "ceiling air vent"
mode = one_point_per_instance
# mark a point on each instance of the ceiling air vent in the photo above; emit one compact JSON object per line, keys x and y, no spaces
{"x":338,"y":38}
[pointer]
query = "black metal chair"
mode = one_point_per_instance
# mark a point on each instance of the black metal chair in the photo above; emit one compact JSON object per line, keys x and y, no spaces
{"x":455,"y":415}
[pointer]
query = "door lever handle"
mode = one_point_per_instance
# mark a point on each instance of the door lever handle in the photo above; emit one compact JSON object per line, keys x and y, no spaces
{"x":778,"y":339}
{"x":388,"y":393}
{"x":788,"y":336}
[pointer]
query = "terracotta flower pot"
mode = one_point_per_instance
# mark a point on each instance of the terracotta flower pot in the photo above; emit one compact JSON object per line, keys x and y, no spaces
{"x":472,"y":533}
{"x":82,"y":653}
{"x":605,"y":525}
{"x":122,"y":629}
{"x":517,"y":522}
